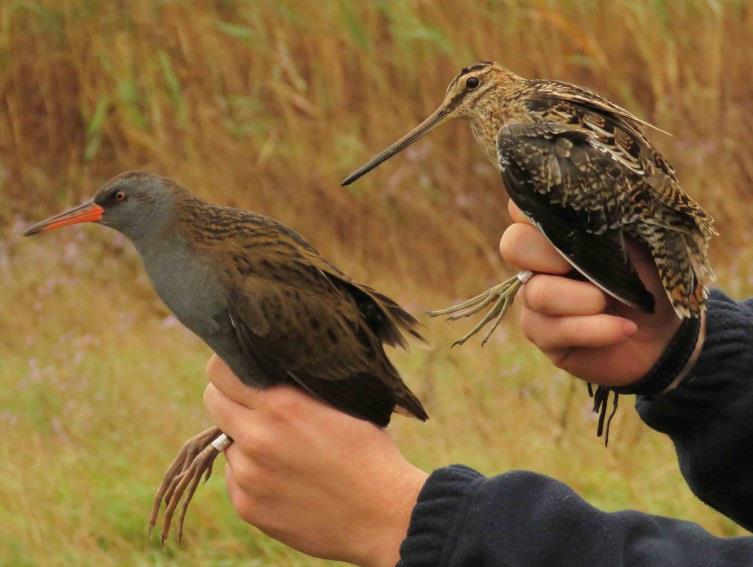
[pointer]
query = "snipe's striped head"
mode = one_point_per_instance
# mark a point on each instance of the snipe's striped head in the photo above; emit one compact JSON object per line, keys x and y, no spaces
{"x":471,"y":94}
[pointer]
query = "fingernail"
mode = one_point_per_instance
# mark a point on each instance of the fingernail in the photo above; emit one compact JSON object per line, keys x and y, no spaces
{"x":630,"y":328}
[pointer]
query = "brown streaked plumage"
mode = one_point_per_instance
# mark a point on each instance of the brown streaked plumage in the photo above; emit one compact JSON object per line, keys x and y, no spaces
{"x":582,"y":169}
{"x":264,"y":300}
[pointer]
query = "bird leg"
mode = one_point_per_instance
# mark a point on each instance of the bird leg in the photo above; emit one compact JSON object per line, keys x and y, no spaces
{"x":193,"y":462}
{"x":500,"y":296}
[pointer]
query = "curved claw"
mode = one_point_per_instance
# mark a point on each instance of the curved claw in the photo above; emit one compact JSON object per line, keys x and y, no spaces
{"x":184,"y":457}
{"x":193,"y":462}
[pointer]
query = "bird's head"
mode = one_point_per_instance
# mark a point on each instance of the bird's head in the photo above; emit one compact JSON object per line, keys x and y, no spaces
{"x":474,"y":93}
{"x":135,"y":203}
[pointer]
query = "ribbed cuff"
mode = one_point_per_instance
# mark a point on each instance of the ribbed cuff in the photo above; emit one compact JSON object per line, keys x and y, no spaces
{"x":727,"y":350}
{"x":433,"y":527}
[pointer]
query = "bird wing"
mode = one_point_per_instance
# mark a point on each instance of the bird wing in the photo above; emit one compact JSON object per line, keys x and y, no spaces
{"x":383,"y":315}
{"x":618,"y":133}
{"x":548,"y":90}
{"x":316,"y":340}
{"x":574,"y":193}
{"x":261,"y":244}
{"x":300,"y":320}
{"x":314,"y":332}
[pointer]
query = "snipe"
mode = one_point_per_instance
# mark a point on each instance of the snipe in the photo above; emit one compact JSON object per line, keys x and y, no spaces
{"x":584,"y":173}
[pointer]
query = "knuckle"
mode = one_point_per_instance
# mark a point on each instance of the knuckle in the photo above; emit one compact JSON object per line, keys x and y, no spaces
{"x":247,"y":441}
{"x":605,"y":328}
{"x":257,"y":443}
{"x":594,"y":326}
{"x":212,"y":365}
{"x":527,"y":325}
{"x":246,"y":473}
{"x":250,"y":442}
{"x":509,"y":243}
{"x":559,"y":358}
{"x":537,"y":295}
{"x":207,"y":397}
{"x":244,"y":506}
{"x":503,"y":246}
{"x":284,"y":404}
{"x":536,"y":329}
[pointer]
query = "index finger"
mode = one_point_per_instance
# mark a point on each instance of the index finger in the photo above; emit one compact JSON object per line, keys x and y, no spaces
{"x":223,"y":378}
{"x":515,"y":212}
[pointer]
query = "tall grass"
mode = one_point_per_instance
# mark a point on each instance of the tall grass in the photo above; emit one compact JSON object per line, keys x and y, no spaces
{"x":267,"y":105}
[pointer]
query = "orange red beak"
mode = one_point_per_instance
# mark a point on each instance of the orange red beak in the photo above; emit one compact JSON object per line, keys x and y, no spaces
{"x":85,"y":212}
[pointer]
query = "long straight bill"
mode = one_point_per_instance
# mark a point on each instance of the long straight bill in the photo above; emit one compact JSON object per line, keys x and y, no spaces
{"x":85,"y":212}
{"x":418,"y":132}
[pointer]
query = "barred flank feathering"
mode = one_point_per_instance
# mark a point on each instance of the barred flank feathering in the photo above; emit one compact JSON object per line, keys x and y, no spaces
{"x":681,"y":277}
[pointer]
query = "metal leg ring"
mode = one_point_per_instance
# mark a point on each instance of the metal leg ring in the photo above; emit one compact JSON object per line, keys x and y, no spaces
{"x":221,"y":442}
{"x":524,"y":276}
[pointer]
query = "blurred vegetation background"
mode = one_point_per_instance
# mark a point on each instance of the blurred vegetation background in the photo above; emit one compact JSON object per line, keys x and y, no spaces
{"x":267,"y":105}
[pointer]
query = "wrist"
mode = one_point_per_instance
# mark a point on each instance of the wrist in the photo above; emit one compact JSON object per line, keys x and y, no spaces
{"x":693,"y":357}
{"x":674,"y":363}
{"x":389,"y":525}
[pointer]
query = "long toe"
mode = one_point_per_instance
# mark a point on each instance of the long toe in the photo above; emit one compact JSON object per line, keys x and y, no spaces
{"x":462,"y":314}
{"x":185,"y":488}
{"x":472,"y":303}
{"x":500,"y":297}
{"x":503,"y":305}
{"x":179,"y":470}
{"x":203,"y":470}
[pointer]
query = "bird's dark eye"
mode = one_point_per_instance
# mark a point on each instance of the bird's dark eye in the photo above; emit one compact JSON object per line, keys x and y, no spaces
{"x":120,"y":196}
{"x":472,"y":83}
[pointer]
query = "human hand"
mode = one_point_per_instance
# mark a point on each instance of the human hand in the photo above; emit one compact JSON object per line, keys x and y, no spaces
{"x":310,"y":476}
{"x":580,"y":328}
